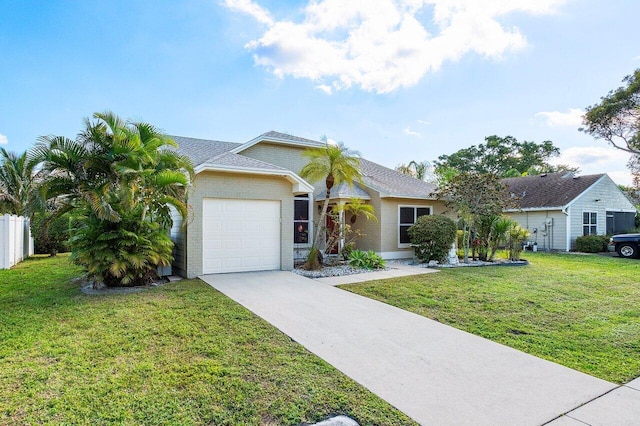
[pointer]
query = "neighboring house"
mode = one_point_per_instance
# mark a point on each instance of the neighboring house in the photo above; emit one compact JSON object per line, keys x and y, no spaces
{"x":557,"y":208}
{"x":251,"y":211}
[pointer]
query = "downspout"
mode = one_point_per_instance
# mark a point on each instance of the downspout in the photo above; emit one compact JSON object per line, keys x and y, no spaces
{"x":565,"y":210}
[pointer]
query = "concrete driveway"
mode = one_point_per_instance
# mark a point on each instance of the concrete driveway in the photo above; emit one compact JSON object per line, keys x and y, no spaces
{"x":436,"y":374}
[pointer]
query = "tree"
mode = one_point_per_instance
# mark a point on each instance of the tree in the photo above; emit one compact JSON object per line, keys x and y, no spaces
{"x":18,"y":184}
{"x":616,"y":119}
{"x":333,"y":164}
{"x":419,"y":170}
{"x":500,"y":156}
{"x":357,"y":207}
{"x":478,"y":200}
{"x":119,"y":180}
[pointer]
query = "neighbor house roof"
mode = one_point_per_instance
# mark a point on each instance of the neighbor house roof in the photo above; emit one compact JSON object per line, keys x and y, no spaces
{"x":549,"y":190}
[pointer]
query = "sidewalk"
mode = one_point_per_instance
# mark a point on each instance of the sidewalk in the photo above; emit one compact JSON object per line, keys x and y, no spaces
{"x":436,"y":374}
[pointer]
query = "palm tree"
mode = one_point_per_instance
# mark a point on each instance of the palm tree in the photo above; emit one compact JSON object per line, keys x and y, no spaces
{"x":18,"y":184}
{"x":119,"y":180}
{"x":333,"y":164}
{"x":419,"y":170}
{"x":357,"y":207}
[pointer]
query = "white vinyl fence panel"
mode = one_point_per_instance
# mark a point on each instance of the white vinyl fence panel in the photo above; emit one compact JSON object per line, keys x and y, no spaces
{"x":16,"y":243}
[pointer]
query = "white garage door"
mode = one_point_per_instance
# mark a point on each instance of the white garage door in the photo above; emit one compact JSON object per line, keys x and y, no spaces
{"x":240,"y":235}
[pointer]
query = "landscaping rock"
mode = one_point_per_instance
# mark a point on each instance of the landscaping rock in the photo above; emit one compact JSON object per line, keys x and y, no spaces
{"x":337,"y":421}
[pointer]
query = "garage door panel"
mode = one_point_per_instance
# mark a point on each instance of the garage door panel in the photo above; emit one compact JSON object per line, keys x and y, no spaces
{"x":240,"y":235}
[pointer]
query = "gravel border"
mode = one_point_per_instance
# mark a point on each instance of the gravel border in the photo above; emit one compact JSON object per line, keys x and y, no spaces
{"x":335,"y":271}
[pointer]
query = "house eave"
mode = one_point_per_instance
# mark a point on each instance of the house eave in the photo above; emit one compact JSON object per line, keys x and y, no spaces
{"x":409,"y":197}
{"x":300,"y":186}
{"x":534,"y":209}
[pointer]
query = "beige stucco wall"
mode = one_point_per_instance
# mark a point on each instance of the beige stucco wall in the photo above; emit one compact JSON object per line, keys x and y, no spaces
{"x":556,"y":235}
{"x":389,"y":220}
{"x":287,"y":157}
{"x":238,"y":186}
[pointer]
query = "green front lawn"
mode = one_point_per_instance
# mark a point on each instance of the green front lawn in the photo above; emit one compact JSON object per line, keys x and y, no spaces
{"x":178,"y":354}
{"x":582,"y":311}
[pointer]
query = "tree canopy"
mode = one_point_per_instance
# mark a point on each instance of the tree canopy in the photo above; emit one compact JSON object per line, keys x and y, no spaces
{"x":118,"y":180}
{"x":478,"y":200}
{"x":502,"y":156}
{"x":616,"y":119}
{"x":18,"y":184}
{"x":418,"y":169}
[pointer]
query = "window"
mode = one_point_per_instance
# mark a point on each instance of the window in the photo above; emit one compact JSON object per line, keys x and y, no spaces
{"x":589,"y":223}
{"x":301,"y":219}
{"x":407,"y":217}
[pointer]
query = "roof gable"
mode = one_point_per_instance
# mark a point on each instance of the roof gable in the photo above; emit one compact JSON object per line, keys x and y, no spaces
{"x":549,"y":190}
{"x":279,"y":138}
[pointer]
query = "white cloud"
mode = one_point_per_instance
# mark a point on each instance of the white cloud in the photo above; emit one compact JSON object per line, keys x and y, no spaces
{"x":251,"y":8}
{"x":326,"y":89}
{"x":556,"y":118}
{"x":3,"y":139}
{"x":424,"y":122}
{"x":597,"y":159}
{"x":382,"y":45}
{"x":407,"y":131}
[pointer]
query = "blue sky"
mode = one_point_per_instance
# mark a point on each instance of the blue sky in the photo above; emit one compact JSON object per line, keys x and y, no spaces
{"x":397,"y":80}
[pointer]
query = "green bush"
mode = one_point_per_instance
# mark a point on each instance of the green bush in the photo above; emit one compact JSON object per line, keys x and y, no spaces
{"x":366,"y":260}
{"x":516,"y":236}
{"x":125,"y":253}
{"x":431,"y":237}
{"x":54,"y":240}
{"x":592,"y":243}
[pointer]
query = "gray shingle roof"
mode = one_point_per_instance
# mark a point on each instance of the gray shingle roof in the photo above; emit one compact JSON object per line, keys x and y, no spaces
{"x":388,"y":182}
{"x":201,"y":150}
{"x":344,"y":191}
{"x":549,"y":190}
{"x":392,"y":183}
{"x":232,"y":160}
{"x":286,"y":137}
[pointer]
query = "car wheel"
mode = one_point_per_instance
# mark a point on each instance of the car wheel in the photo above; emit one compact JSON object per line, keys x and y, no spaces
{"x":627,"y":250}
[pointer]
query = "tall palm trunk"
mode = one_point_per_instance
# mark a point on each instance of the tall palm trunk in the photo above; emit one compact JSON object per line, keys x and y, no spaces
{"x":325,"y":207}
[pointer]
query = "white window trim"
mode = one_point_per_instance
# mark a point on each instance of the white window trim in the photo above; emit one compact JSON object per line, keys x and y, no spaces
{"x":309,"y":221}
{"x":414,"y":206}
{"x":590,"y":224}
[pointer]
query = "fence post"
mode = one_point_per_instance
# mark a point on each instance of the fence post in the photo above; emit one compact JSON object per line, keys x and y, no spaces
{"x":4,"y":241}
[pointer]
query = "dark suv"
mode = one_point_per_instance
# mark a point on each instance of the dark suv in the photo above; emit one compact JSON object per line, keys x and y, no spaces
{"x":626,"y":245}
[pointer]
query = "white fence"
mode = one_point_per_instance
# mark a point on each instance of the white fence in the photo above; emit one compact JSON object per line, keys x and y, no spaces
{"x":16,"y":243}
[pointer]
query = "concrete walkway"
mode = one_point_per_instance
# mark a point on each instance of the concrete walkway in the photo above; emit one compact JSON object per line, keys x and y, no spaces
{"x":434,"y":373}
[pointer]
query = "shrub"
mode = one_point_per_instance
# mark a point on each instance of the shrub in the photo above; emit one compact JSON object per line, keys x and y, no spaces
{"x":366,"y":260}
{"x":515,"y":238}
{"x":54,"y":240}
{"x":592,"y":243}
{"x":125,"y":253}
{"x":431,"y":237}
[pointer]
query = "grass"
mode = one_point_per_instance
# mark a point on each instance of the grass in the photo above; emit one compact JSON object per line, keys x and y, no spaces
{"x":582,"y":311}
{"x":180,"y":354}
